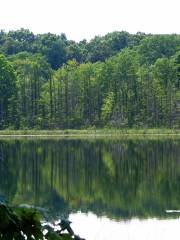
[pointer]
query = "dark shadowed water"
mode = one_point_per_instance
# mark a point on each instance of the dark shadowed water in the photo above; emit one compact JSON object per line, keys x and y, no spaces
{"x":111,"y":189}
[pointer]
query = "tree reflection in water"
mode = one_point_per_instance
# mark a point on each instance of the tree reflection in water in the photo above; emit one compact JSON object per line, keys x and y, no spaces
{"x":119,"y":179}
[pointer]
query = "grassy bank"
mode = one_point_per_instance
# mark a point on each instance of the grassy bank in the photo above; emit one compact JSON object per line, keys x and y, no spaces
{"x":89,"y":132}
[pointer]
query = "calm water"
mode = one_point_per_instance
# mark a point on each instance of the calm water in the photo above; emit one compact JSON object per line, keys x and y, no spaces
{"x":110,"y":189}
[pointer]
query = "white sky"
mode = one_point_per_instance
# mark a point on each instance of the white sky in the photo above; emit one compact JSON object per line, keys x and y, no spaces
{"x":80,"y":19}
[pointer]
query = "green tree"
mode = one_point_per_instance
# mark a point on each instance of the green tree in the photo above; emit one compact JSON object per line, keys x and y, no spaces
{"x":7,"y":91}
{"x":32,"y":72}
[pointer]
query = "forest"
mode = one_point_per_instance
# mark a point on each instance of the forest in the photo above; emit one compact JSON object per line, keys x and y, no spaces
{"x":119,"y":80}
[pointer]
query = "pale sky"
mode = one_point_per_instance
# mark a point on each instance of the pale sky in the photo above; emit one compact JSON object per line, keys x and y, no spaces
{"x":80,"y":19}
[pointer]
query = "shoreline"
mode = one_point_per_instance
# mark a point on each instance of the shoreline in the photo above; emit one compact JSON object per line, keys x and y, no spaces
{"x":90,"y":133}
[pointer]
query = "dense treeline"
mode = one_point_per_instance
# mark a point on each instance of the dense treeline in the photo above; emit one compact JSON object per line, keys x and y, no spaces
{"x":58,"y":50}
{"x":119,"y":80}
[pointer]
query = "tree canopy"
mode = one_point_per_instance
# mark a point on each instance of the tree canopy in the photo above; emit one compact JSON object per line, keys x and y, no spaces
{"x":117,"y":80}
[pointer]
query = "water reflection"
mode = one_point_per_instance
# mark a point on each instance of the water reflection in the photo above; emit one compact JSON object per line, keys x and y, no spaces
{"x":119,"y":179}
{"x":94,"y":228}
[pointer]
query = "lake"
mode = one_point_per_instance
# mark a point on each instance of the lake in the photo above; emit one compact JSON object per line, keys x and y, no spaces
{"x":109,"y":188}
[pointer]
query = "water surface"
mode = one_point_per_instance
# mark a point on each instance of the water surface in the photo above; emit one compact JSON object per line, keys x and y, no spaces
{"x":125,"y":184}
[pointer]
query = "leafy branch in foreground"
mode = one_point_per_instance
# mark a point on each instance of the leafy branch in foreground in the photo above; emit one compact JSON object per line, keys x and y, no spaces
{"x":25,"y":223}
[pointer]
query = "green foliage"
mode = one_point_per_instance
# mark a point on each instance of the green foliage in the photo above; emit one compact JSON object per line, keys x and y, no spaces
{"x":7,"y":91}
{"x":107,"y":107}
{"x":32,"y":74}
{"x":25,"y":223}
{"x":118,"y":80}
{"x":21,"y":224}
{"x":157,"y":46}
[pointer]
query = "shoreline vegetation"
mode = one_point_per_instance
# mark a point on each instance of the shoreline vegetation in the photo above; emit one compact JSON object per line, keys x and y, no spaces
{"x":26,"y":222}
{"x":91,"y":133}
